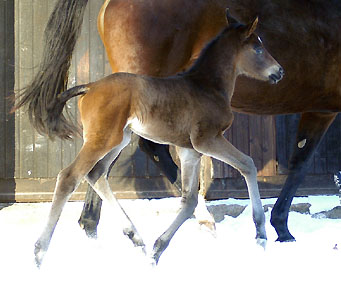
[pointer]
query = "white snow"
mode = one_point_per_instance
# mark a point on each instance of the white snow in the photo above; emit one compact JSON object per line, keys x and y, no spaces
{"x":194,"y":260}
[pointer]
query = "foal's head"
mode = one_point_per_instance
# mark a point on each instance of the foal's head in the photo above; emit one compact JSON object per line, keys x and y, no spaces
{"x":253,"y":59}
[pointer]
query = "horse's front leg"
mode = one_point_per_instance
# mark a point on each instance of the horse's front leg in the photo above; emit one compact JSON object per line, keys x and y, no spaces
{"x":190,"y":166}
{"x":219,"y":148}
{"x":311,"y":130}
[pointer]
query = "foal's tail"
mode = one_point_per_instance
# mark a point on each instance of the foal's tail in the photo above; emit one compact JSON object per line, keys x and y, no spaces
{"x":55,"y":123}
{"x":60,"y":36}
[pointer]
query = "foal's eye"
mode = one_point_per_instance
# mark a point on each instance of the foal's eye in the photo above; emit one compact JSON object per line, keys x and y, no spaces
{"x":259,"y":50}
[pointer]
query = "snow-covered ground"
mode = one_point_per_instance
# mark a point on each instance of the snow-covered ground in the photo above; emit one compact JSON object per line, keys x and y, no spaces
{"x":194,"y":261}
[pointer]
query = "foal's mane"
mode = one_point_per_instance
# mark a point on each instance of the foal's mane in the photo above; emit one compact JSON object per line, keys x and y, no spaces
{"x":210,"y":45}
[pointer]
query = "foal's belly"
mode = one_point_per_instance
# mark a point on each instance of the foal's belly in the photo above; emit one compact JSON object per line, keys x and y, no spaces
{"x":160,"y":133}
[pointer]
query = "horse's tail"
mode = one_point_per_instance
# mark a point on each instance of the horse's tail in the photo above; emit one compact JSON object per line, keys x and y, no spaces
{"x":55,"y":123}
{"x":60,"y":36}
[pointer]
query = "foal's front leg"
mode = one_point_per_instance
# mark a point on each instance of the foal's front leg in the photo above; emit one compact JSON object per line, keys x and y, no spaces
{"x":219,"y":148}
{"x":98,"y":179}
{"x":190,"y":166}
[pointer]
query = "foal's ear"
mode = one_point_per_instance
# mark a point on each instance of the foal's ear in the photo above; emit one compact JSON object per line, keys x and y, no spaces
{"x":229,"y":17}
{"x":250,"y":28}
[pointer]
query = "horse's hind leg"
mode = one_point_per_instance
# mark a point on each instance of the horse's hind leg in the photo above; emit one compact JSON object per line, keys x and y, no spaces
{"x":219,"y":148}
{"x":67,"y":181}
{"x":311,"y":130}
{"x":190,"y":165}
{"x":98,"y":179}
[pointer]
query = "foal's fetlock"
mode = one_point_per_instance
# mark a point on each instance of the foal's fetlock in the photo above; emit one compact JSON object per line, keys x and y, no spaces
{"x":261,"y":235}
{"x":39,"y":252}
{"x":159,"y":247}
{"x":133,"y":235}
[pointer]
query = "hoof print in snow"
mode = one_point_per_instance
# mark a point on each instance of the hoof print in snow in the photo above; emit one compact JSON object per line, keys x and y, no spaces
{"x":303,"y":208}
{"x":334,"y":213}
{"x":219,"y":211}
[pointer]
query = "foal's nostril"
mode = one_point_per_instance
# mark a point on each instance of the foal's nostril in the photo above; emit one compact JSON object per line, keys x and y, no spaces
{"x":281,"y":71}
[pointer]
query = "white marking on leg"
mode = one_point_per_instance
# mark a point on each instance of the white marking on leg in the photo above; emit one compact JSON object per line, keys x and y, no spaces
{"x":302,"y":143}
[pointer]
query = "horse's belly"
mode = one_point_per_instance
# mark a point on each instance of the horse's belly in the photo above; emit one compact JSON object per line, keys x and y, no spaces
{"x":160,"y":133}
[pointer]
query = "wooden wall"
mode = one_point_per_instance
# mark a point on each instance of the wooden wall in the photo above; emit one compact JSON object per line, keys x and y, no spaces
{"x":6,"y":88}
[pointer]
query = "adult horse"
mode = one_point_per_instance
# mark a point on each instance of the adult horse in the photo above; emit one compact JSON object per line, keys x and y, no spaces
{"x":303,"y":36}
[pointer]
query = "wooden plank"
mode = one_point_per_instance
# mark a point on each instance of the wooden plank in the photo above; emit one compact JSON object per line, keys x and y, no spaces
{"x":286,"y":129}
{"x":3,"y":44}
{"x":9,"y":117}
{"x":39,"y":190}
{"x":256,"y":141}
{"x":333,"y":140}
{"x":268,"y":146}
{"x":240,"y":138}
{"x":270,"y":187}
{"x":40,"y":17}
{"x":54,"y":147}
{"x":25,"y":68}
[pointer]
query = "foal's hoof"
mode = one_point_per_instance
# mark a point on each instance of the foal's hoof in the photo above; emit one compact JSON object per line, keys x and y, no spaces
{"x":132,"y":234}
{"x":262,"y":242}
{"x":39,"y":254}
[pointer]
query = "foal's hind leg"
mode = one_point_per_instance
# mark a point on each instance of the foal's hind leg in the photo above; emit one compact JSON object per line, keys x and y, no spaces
{"x":190,"y":166}
{"x":67,"y":181}
{"x":219,"y":148}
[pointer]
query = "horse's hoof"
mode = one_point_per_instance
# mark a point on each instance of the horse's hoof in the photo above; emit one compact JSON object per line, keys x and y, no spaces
{"x":262,"y":242}
{"x":90,"y":228}
{"x":39,"y":254}
{"x":132,"y":234}
{"x":286,"y":239}
{"x":154,"y":258}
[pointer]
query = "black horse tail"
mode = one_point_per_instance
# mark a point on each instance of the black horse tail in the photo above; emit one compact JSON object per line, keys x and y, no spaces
{"x":60,"y":36}
{"x":55,"y":123}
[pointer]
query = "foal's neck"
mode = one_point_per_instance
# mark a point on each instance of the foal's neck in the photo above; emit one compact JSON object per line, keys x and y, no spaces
{"x":216,"y":66}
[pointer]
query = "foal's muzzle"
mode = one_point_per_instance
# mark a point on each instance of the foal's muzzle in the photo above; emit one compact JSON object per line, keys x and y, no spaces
{"x":275,"y":78}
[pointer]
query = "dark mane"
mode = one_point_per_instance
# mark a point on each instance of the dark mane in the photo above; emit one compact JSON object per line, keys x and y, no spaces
{"x":210,"y":46}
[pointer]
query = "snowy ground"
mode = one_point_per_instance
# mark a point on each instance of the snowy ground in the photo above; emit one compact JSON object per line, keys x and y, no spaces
{"x":194,"y":261}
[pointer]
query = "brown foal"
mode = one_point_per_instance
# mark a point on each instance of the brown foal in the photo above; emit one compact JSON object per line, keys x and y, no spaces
{"x":189,"y":110}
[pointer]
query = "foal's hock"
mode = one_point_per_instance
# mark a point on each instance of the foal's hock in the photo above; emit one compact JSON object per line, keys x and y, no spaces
{"x":190,"y":110}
